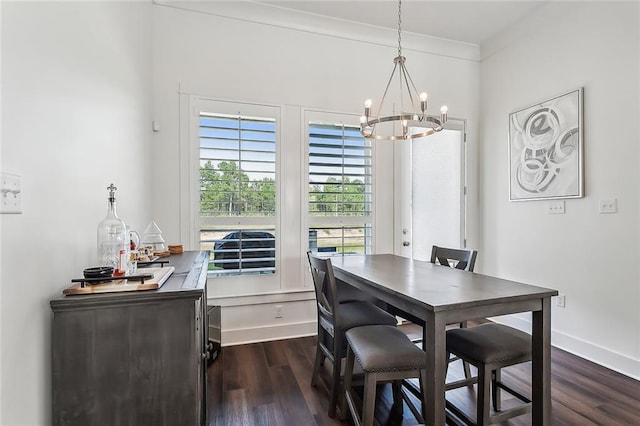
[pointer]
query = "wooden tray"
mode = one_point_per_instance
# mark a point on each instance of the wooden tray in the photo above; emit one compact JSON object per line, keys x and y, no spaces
{"x":160,"y":275}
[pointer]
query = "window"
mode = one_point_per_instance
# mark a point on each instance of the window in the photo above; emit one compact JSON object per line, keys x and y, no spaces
{"x":238,"y":188}
{"x":340,"y":186}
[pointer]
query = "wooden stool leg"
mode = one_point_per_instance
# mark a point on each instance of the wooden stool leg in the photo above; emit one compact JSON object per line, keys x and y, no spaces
{"x":316,"y":366}
{"x":348,"y":376}
{"x":424,"y":338}
{"x":446,"y":365}
{"x":335,"y":386}
{"x":369,"y":399}
{"x":484,"y":393}
{"x":398,"y":406}
{"x":496,"y":376}
{"x":423,"y":388}
{"x":467,"y":370}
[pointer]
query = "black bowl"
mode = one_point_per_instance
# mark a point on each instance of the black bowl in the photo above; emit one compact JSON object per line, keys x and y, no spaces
{"x":98,"y":272}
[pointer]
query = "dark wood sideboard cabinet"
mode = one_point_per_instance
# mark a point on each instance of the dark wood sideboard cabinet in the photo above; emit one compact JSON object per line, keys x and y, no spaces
{"x":134,"y":358}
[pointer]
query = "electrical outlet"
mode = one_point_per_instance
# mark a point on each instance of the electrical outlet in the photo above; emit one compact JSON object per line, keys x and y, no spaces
{"x":608,"y":206}
{"x":555,"y":207}
{"x":561,"y":300}
{"x":278,"y":311}
{"x":10,"y":193}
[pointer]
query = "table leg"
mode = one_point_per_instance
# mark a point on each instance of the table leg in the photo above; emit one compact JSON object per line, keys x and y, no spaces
{"x":541,"y":364}
{"x":436,"y":366}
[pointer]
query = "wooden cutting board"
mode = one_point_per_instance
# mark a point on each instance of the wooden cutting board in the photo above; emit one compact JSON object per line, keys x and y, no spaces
{"x":160,"y":275}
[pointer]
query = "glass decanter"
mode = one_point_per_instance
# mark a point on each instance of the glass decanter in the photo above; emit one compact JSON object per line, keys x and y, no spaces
{"x":113,"y":239}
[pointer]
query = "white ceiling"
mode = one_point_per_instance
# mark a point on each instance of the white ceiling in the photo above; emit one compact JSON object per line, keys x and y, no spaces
{"x":470,"y":21}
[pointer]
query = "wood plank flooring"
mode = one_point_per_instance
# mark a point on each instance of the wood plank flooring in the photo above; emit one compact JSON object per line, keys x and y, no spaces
{"x":269,"y":384}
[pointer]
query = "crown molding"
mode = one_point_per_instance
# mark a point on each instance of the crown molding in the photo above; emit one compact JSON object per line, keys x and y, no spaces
{"x":267,"y":14}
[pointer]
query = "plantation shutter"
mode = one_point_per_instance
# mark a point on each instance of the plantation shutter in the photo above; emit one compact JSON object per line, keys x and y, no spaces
{"x":238,"y":192}
{"x":340,"y":188}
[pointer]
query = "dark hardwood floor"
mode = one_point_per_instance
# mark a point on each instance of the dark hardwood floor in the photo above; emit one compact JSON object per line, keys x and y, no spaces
{"x":269,"y":384}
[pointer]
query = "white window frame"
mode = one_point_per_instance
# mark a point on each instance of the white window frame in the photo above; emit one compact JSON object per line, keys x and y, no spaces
{"x":310,"y":115}
{"x":241,"y":284}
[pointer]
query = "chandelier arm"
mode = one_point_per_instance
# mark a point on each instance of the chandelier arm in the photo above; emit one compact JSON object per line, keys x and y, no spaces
{"x":386,"y":89}
{"x":408,"y":82}
{"x":413,"y":86}
{"x":401,"y":85}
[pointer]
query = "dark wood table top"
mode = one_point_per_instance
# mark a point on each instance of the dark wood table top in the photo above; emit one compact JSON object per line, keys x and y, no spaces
{"x":433,"y":286}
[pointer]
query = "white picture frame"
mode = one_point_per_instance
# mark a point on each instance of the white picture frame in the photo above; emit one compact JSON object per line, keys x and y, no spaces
{"x":546,"y":149}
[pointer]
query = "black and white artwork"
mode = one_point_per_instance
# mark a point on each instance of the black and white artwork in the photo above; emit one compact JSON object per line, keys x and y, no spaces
{"x":545,"y":149}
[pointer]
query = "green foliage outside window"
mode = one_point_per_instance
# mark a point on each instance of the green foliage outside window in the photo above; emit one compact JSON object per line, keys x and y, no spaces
{"x":228,"y":191}
{"x":344,"y":198}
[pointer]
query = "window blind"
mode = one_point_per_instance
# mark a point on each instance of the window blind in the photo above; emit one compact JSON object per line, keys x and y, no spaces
{"x":340,"y":189}
{"x":238,"y":187}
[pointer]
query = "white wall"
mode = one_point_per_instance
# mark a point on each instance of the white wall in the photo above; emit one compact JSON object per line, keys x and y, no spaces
{"x":1,"y":221}
{"x":232,"y":53}
{"x":76,"y":117}
{"x":592,"y":258}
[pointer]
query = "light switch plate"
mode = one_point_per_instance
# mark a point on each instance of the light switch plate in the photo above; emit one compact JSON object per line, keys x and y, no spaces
{"x":555,"y":207}
{"x":10,"y":193}
{"x":608,"y":206}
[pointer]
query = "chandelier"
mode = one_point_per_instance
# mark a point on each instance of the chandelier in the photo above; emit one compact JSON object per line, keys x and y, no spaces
{"x":385,"y":127}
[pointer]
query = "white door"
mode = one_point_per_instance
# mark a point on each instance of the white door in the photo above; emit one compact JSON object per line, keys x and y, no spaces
{"x":430,"y":192}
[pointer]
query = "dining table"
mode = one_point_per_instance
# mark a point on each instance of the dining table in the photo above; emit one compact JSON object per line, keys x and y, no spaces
{"x":440,"y":296}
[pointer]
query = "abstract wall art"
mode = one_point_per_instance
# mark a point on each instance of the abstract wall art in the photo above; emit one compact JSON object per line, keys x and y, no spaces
{"x":545,"y":149}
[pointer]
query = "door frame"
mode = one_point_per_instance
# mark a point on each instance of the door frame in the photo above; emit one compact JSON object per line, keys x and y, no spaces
{"x":403,"y":190}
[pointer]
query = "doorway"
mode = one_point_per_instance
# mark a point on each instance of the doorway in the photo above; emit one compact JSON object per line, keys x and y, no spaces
{"x":430,"y":201}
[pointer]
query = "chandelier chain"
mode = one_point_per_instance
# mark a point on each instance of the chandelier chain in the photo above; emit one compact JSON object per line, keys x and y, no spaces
{"x":414,"y":123}
{"x":399,"y":28}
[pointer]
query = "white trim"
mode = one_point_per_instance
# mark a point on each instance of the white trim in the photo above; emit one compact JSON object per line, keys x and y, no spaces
{"x":261,"y":298}
{"x":615,"y":361}
{"x":268,"y":333}
{"x":282,"y":17}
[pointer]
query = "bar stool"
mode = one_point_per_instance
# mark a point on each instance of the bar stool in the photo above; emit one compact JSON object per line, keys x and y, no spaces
{"x":490,"y":347}
{"x":334,"y":319}
{"x":385,"y":354}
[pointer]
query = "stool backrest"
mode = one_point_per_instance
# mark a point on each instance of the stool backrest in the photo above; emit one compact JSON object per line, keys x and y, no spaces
{"x":324,"y":283}
{"x":454,"y":258}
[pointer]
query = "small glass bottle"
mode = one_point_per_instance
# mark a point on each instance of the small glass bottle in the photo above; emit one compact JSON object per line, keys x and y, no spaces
{"x":113,"y":240}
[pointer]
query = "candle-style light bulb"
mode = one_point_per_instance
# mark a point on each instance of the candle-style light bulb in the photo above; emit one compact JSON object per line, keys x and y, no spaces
{"x":423,"y":101}
{"x":367,"y":107}
{"x":443,"y":113}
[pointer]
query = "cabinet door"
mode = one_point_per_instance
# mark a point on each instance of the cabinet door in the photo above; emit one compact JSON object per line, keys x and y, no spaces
{"x":128,"y":364}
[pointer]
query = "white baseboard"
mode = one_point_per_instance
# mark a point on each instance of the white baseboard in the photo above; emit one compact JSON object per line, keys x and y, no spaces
{"x":267,"y":333}
{"x":620,"y":363}
{"x":615,"y":361}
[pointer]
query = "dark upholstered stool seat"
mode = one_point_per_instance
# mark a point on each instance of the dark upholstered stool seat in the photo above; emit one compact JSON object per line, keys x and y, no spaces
{"x":385,"y":348}
{"x":385,"y":354}
{"x":488,"y":343}
{"x":490,"y":347}
{"x":359,"y":313}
